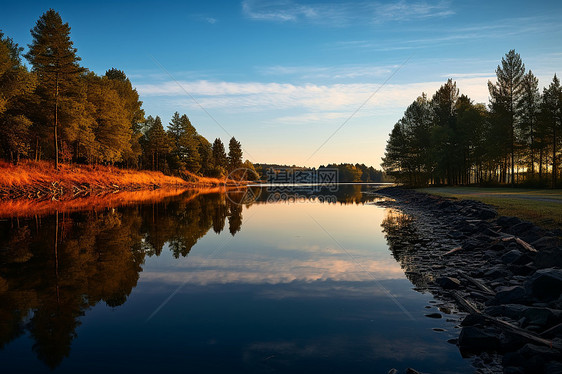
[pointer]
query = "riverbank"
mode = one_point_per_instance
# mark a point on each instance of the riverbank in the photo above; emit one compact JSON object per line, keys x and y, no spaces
{"x":40,"y":180}
{"x":542,"y":207}
{"x":499,"y":277}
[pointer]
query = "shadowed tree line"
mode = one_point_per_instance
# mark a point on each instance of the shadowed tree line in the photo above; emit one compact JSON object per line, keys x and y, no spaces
{"x":63,"y":112}
{"x":449,"y":139}
{"x":55,"y":268}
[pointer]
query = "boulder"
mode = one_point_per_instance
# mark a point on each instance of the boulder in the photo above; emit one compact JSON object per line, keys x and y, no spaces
{"x":486,"y":213}
{"x":474,"y":339}
{"x":510,"y":295}
{"x":508,"y":221}
{"x":520,"y":228}
{"x":545,"y":242}
{"x":511,"y":256}
{"x":545,"y":285}
{"x":548,"y":257}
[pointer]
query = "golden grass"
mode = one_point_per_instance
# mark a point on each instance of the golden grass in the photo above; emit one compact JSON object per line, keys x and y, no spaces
{"x":542,"y":207}
{"x":33,"y":173}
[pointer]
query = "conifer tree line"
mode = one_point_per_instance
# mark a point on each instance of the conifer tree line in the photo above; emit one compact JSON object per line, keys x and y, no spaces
{"x":449,"y":139}
{"x":58,"y":110}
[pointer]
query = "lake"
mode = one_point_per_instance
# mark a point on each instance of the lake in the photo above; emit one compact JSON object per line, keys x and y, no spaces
{"x":244,"y":282}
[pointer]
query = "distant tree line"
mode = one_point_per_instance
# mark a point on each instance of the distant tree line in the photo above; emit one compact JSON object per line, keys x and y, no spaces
{"x":448,"y":139}
{"x":63,"y":112}
{"x":347,"y":173}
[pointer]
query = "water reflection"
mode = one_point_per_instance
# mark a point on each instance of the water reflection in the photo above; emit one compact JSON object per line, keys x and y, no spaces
{"x":402,"y":238}
{"x":55,"y":269}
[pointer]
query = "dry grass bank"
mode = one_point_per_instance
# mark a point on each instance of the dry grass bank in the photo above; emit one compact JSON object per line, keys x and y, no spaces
{"x":32,"y":179}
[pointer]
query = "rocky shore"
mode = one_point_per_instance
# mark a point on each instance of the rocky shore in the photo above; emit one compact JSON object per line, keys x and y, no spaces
{"x":499,"y":277}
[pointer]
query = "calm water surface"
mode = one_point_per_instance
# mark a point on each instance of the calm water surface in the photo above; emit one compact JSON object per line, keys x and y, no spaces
{"x":204,"y":284}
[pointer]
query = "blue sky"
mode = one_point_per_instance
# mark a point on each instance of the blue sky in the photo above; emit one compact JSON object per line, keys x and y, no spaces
{"x":284,"y":76}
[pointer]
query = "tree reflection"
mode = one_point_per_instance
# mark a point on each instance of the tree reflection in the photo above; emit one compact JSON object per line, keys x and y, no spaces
{"x":54,"y":268}
{"x":402,"y":237}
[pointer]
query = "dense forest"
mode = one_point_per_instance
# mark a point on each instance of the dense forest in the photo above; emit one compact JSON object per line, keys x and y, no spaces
{"x":449,"y":139}
{"x":59,"y":110}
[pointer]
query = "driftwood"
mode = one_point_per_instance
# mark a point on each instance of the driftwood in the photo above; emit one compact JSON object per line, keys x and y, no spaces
{"x":452,"y":251}
{"x":521,"y":242}
{"x":467,"y":305}
{"x":525,"y":245}
{"x":481,"y":286}
{"x":471,"y":308}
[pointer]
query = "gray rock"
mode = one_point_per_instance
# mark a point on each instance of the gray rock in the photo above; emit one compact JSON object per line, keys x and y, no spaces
{"x":510,"y":295}
{"x":521,"y":228}
{"x":545,"y":242}
{"x":549,"y":257}
{"x":474,"y":339}
{"x":511,"y":256}
{"x":486,"y":213}
{"x":545,"y":284}
{"x":508,"y":221}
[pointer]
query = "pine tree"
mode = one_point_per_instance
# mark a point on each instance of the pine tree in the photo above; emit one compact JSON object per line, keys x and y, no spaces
{"x":552,"y":117}
{"x":157,"y":142}
{"x":234,"y":154}
{"x":529,"y":108}
{"x":219,"y":154}
{"x":505,"y":96}
{"x":53,"y":58}
{"x":133,"y":110}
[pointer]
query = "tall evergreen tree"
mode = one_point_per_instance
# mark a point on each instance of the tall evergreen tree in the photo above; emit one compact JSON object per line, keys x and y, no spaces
{"x":185,"y":143}
{"x":505,"y":96}
{"x":219,"y":154}
{"x":53,"y":58}
{"x":529,"y":108}
{"x":157,"y":142}
{"x":444,"y":134}
{"x":234,"y":154}
{"x":133,"y":107}
{"x":552,"y":117}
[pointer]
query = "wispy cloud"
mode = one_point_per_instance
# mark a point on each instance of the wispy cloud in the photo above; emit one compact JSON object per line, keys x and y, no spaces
{"x":312,"y":101}
{"x":344,"y":13}
{"x":428,"y":36}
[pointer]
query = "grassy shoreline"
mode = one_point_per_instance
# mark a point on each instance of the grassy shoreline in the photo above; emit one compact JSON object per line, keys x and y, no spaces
{"x":40,"y":180}
{"x":539,"y":206}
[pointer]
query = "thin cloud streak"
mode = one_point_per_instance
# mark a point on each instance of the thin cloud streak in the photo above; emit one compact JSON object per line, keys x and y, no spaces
{"x":344,"y":14}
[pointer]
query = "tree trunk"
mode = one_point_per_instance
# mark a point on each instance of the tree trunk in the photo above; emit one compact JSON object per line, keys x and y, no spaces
{"x":554,"y":156}
{"x":56,"y":121}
